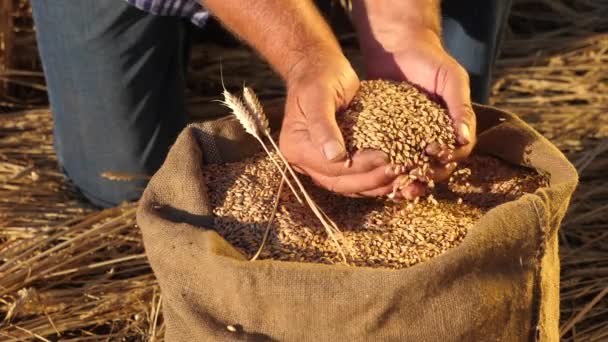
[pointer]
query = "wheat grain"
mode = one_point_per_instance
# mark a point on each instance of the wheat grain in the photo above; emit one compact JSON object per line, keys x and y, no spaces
{"x":252,"y":126}
{"x":377,"y":233}
{"x":400,"y":120}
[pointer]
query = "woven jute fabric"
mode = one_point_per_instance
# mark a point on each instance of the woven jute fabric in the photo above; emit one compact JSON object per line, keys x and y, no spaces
{"x":500,"y":284}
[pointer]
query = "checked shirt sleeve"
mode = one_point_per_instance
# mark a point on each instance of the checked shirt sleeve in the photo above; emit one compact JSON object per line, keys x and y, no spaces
{"x":190,"y":9}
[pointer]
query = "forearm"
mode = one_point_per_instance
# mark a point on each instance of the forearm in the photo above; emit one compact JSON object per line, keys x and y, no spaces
{"x":285,"y":32}
{"x":387,"y":24}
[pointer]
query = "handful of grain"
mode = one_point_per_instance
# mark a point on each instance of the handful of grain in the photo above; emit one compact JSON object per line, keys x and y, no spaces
{"x":398,"y":119}
{"x":376,"y":233}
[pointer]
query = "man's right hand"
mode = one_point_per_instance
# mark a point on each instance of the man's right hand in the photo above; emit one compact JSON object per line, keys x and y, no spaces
{"x":295,"y":39}
{"x":319,"y":87}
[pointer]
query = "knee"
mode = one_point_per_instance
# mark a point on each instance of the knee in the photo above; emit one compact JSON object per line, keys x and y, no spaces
{"x":105,"y":184}
{"x":107,"y":191}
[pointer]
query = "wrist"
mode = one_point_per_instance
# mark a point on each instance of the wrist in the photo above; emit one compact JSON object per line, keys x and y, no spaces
{"x":316,"y":64}
{"x":407,"y":39}
{"x":384,"y":14}
{"x":393,"y":24}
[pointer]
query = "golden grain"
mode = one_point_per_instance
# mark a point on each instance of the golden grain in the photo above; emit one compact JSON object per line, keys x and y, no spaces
{"x":375,"y":232}
{"x":398,"y":119}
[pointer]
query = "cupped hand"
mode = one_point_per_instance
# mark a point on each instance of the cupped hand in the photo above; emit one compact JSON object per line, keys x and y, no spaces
{"x":417,"y":55}
{"x":310,"y":139}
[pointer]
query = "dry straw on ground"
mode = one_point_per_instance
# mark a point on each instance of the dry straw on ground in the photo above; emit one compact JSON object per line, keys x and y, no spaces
{"x":21,"y":81}
{"x":553,"y":71}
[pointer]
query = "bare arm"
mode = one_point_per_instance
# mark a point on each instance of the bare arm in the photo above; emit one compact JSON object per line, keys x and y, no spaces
{"x":284,"y":32}
{"x":383,"y":21}
{"x":295,"y":39}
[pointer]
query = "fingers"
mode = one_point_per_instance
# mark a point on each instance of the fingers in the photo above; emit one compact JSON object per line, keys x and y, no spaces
{"x":378,"y":192}
{"x":441,"y":154}
{"x":462,"y":152}
{"x":444,"y":155}
{"x":296,"y":145}
{"x":416,"y":189}
{"x":361,"y":162}
{"x":323,"y":129}
{"x":318,"y":105}
{"x":377,"y":182}
{"x":440,"y":172}
{"x":457,"y":95}
{"x":300,"y":152}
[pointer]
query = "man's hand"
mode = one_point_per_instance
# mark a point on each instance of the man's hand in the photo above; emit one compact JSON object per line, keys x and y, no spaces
{"x":400,"y":40}
{"x":295,"y":39}
{"x":318,"y":87}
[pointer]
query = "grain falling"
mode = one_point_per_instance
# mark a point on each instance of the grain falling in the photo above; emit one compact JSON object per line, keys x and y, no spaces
{"x":378,"y":233}
{"x":400,"y":120}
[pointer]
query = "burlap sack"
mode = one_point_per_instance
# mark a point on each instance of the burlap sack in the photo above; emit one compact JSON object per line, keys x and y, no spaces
{"x":500,"y":284}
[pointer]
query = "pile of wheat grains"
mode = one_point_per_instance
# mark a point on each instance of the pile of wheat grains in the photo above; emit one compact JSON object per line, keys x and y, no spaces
{"x":400,"y":120}
{"x":376,"y":232}
{"x":394,"y":117}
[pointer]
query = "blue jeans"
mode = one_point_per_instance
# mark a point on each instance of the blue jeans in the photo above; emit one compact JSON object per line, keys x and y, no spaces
{"x":116,"y":83}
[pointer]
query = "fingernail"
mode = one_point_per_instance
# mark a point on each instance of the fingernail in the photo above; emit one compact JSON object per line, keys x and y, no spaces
{"x":333,"y":150}
{"x":465,"y":134}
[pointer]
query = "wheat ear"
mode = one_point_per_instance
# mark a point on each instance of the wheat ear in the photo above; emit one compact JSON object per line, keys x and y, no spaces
{"x":255,"y":106}
{"x":249,"y":123}
{"x":256,"y":110}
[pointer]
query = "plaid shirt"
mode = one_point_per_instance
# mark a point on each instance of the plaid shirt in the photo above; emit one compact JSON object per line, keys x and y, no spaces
{"x":190,"y":9}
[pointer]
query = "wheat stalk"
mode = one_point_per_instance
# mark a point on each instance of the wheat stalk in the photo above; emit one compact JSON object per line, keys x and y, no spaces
{"x":250,"y":124}
{"x":254,"y":121}
{"x":123,"y":176}
{"x":269,"y":224}
{"x":253,"y":104}
{"x":335,"y":230}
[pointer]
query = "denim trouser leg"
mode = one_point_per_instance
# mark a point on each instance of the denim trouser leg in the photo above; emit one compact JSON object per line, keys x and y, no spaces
{"x":116,"y":87}
{"x":472,"y":30}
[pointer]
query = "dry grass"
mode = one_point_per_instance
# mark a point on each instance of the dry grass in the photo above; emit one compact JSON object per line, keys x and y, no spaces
{"x":21,"y":80}
{"x":66,"y":270}
{"x":553,"y":72}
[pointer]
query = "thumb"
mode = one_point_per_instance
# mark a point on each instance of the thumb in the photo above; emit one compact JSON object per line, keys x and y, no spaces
{"x":457,"y":96}
{"x":319,"y":109}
